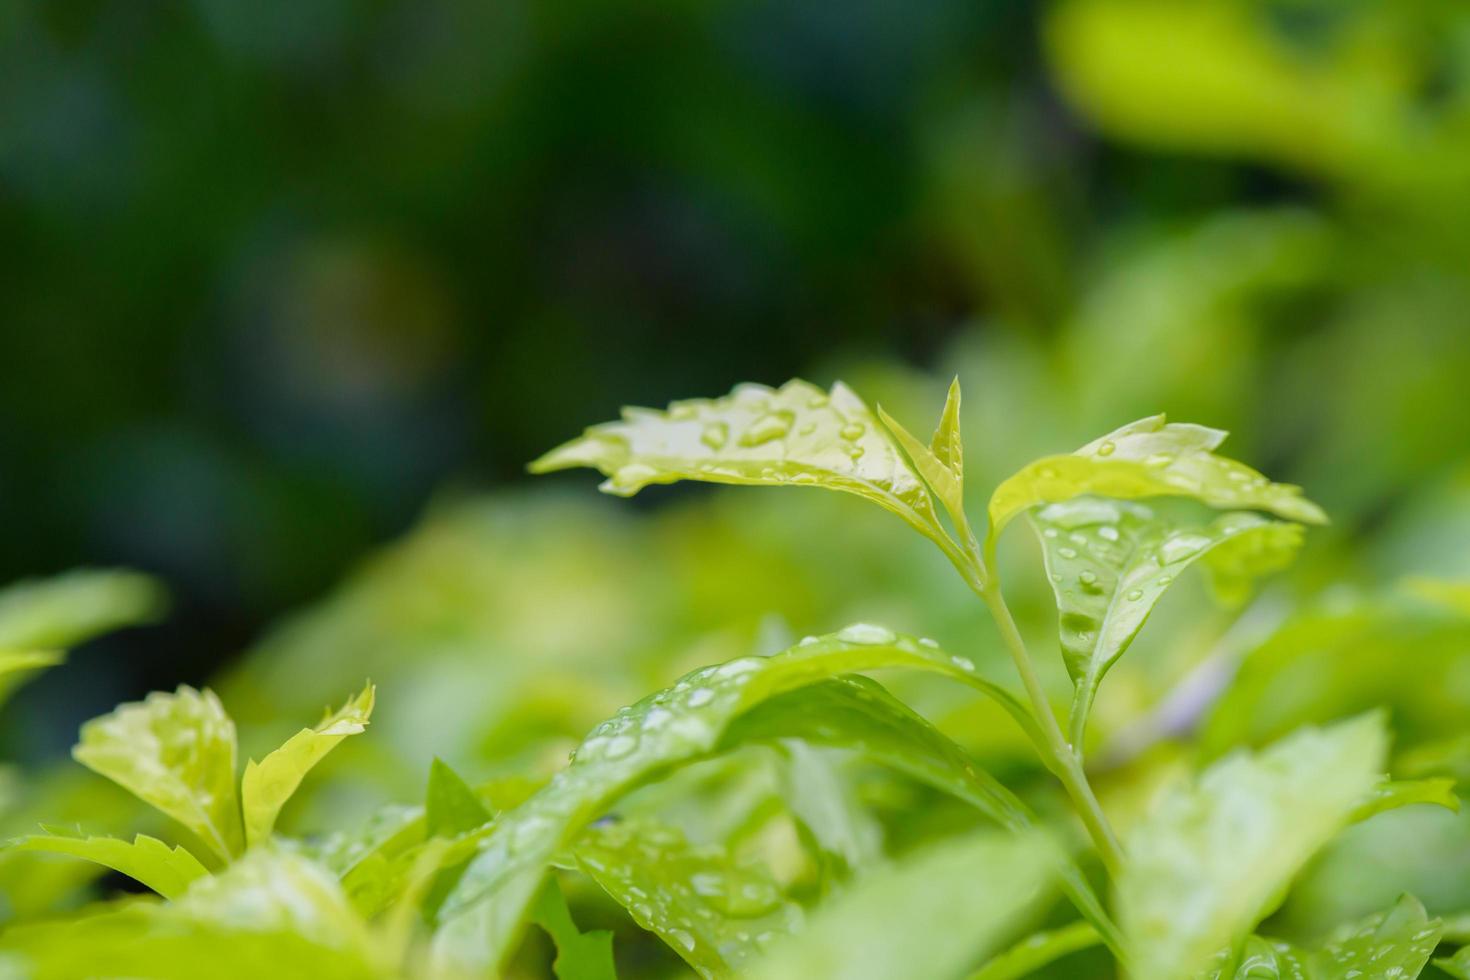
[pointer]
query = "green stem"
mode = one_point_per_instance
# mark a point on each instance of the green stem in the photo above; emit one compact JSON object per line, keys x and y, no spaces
{"x":1058,"y":755}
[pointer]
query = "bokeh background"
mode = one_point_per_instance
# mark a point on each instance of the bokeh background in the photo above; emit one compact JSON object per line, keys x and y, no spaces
{"x":285,"y":285}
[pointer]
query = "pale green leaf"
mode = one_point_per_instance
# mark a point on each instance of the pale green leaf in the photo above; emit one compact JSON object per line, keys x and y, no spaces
{"x":60,"y":612}
{"x":714,"y":912}
{"x":1205,"y":865}
{"x":17,"y":667}
{"x":1457,"y":966}
{"x":944,"y":474}
{"x":579,"y":955}
{"x":929,"y":915}
{"x":269,"y":783}
{"x":1038,"y":950}
{"x":857,"y":713}
{"x":267,"y":915}
{"x":177,"y":753}
{"x":797,"y":435}
{"x":1149,"y":458}
{"x":1111,"y":561}
{"x":1392,"y":794}
{"x":1395,"y":943}
{"x":1259,"y":959}
{"x":168,"y":871}
{"x":451,"y":806}
{"x":482,"y":917}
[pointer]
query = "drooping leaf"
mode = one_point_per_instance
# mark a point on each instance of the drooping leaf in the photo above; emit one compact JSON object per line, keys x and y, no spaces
{"x":1038,"y":950}
{"x":451,"y":806}
{"x":1111,"y":561}
{"x":928,"y":915}
{"x":1392,"y":794}
{"x":1149,"y":458}
{"x":177,"y":753}
{"x":268,"y":784}
{"x":857,"y":713}
{"x":1394,"y":943}
{"x":484,"y":914}
{"x":268,"y":914}
{"x":579,"y":955}
{"x":1204,"y":867}
{"x":796,"y":435}
{"x":147,"y":860}
{"x":714,"y":912}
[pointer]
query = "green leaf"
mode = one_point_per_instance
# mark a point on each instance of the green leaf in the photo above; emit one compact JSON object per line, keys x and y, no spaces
{"x":980,"y":888}
{"x":60,"y":612}
{"x":483,"y":915}
{"x":1457,"y":966}
{"x":826,"y":807}
{"x":797,"y":435}
{"x":714,"y":912}
{"x":1205,"y":866}
{"x":1110,"y":563}
{"x":269,"y":783}
{"x":1392,"y":794}
{"x":941,"y":463}
{"x":1038,"y":950}
{"x":1149,"y":458}
{"x":1259,"y":958}
{"x":451,"y":807}
{"x":17,"y":666}
{"x":268,"y":914}
{"x":1395,"y":943}
{"x":579,"y":955}
{"x":858,"y":713}
{"x":168,"y":871}
{"x":177,"y":753}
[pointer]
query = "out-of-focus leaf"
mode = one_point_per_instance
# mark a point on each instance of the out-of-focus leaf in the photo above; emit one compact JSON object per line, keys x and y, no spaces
{"x":1451,"y":595}
{"x":797,"y":435}
{"x":60,"y":612}
{"x":1110,"y":563}
{"x":268,"y":914}
{"x":1392,"y":794}
{"x":1204,"y":867}
{"x":484,"y":913}
{"x":1150,"y":458}
{"x":846,"y":836}
{"x":1037,"y":950}
{"x":579,"y":955}
{"x":268,"y":784}
{"x":168,"y":871}
{"x":1394,"y":943}
{"x":928,"y":915}
{"x":1259,"y":958}
{"x":17,"y":666}
{"x":858,"y":713}
{"x":714,"y":912}
{"x":177,"y":753}
{"x":1457,"y":966}
{"x":451,"y":807}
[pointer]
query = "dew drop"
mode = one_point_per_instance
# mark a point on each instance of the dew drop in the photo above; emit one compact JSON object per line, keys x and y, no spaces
{"x":963,"y":663}
{"x":1067,"y":552}
{"x":1107,"y":532}
{"x":929,"y":642}
{"x":1135,"y":594}
{"x":773,"y":425}
{"x":1106,"y":449}
{"x":1089,"y":582}
{"x":683,"y":939}
{"x":715,"y":435}
{"x":817,"y":401}
{"x":700,"y":697}
{"x":852,"y":430}
{"x":1181,"y":547}
{"x":1165,"y":579}
{"x":619,"y":747}
{"x":807,"y":641}
{"x":1049,"y":532}
{"x":866,"y":634}
{"x":1159,"y":459}
{"x":855,"y":452}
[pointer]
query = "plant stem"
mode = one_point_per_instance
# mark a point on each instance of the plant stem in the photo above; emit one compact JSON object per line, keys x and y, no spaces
{"x":1058,"y":755}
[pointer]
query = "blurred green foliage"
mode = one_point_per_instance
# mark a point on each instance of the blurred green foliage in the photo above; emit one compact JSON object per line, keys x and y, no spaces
{"x":276,"y":272}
